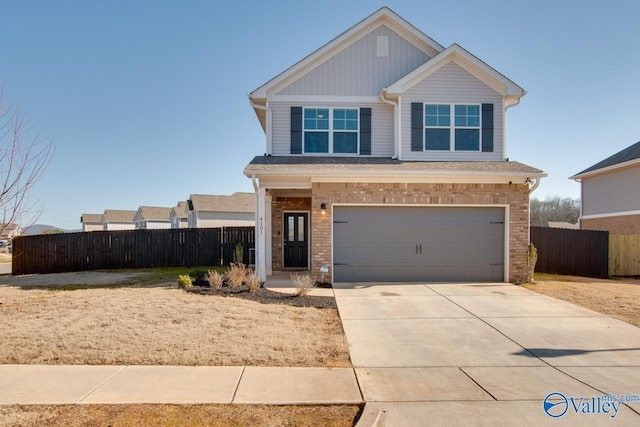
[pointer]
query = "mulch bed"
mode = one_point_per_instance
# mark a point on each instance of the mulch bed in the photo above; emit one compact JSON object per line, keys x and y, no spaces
{"x":265,"y":296}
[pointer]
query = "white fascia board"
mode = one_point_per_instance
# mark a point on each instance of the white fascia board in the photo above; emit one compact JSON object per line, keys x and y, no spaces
{"x":610,"y":214}
{"x":466,"y":60}
{"x":611,"y":168}
{"x":384,"y":16}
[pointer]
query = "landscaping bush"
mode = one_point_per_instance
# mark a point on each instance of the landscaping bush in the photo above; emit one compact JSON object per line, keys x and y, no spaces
{"x":303,"y":283}
{"x":532,"y":258}
{"x":236,"y":275}
{"x":238,"y":254}
{"x":253,"y":282}
{"x":215,"y":279}
{"x":184,"y":281}
{"x":199,"y":274}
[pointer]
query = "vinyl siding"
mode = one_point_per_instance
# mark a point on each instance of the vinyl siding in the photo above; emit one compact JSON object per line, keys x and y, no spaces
{"x":381,"y":126}
{"x":357,"y":71}
{"x":452,"y":84}
{"x":225,"y":219}
{"x":616,"y":191}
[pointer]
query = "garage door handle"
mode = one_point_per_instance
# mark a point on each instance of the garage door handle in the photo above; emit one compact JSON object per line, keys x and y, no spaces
{"x":419,"y":249}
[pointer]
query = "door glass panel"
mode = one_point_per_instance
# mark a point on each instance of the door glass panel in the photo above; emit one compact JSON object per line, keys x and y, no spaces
{"x":300,"y":229}
{"x":291,"y":229}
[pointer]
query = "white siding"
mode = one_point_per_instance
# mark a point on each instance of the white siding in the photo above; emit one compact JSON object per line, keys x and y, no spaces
{"x":158,"y":225}
{"x":381,"y":126}
{"x":225,"y":219}
{"x":452,"y":84}
{"x":615,"y":191}
{"x":119,"y":226}
{"x":358,"y":71}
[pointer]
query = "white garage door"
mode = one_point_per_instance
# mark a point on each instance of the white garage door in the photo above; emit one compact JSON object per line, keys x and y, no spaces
{"x":418,"y":244}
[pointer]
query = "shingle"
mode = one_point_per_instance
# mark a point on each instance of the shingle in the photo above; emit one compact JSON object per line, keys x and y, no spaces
{"x":113,"y":215}
{"x":155,"y":213}
{"x":626,"y":155}
{"x":237,"y":202}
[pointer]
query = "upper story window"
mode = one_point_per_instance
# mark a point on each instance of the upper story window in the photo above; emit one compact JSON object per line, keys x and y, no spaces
{"x":330,"y":130}
{"x":460,"y":134}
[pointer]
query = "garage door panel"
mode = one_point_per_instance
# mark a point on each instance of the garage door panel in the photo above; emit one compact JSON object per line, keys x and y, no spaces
{"x":418,"y":243}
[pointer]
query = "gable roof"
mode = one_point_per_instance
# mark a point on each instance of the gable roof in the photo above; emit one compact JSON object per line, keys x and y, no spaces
{"x":180,"y":210}
{"x":237,"y":202}
{"x":383,"y":16}
{"x":114,"y":215}
{"x":626,"y":157}
{"x":86,"y":218}
{"x":154,"y":213}
{"x":469,"y":62}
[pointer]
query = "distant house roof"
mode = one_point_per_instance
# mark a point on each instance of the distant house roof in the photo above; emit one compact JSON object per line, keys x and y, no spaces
{"x":629,"y":154}
{"x":286,"y":165}
{"x":87,"y":218}
{"x":237,"y":202}
{"x":155,"y":213}
{"x":180,"y":211}
{"x":111,"y":215}
{"x":568,"y":225}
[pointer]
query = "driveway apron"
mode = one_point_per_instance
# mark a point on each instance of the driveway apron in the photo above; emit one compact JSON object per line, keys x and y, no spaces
{"x":486,"y":354}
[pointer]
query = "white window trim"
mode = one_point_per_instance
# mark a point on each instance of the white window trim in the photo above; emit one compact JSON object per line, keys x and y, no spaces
{"x":331,"y":131}
{"x":452,"y":127}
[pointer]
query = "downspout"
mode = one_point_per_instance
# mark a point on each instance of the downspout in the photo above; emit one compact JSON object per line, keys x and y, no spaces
{"x":267,"y":119}
{"x":396,"y":136}
{"x":505,"y":139}
{"x":536,"y":183}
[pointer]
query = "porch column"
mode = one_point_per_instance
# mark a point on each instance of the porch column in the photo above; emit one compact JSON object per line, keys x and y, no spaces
{"x":261,"y":233}
{"x":268,"y":234}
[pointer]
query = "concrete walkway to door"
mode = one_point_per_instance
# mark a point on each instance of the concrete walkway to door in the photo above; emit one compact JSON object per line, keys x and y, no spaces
{"x":485,"y":354}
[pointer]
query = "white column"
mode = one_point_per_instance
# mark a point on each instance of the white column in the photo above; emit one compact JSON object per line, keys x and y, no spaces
{"x":261,"y":232}
{"x":268,"y":234}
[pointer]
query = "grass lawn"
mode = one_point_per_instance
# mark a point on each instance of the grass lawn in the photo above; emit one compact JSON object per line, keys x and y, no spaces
{"x":177,"y":415}
{"x":618,"y":298}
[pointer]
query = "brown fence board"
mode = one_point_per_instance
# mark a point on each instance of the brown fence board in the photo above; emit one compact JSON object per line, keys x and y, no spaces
{"x":624,"y":254}
{"x":571,"y":252}
{"x":98,"y":250}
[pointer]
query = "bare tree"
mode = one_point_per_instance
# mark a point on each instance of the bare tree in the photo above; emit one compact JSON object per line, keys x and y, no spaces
{"x":554,"y":208}
{"x":24,"y":156}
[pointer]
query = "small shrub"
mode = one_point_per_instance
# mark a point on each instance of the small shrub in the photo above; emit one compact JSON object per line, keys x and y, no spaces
{"x":303,"y":283}
{"x":532,"y":259}
{"x":238,"y":254}
{"x":184,"y":281}
{"x":236,"y":275}
{"x":215,"y":279}
{"x":199,"y":274}
{"x":253,"y":282}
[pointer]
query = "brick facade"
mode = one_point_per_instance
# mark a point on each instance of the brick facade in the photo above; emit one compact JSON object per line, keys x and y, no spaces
{"x":516,"y":196}
{"x":624,"y":224}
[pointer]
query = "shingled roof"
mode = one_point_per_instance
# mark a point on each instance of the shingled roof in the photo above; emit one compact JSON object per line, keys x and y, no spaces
{"x":626,"y":155}
{"x":114,"y":215}
{"x":298,"y":164}
{"x":237,"y":202}
{"x":155,"y":213}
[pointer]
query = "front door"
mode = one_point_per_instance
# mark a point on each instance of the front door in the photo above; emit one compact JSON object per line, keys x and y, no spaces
{"x":296,"y":240}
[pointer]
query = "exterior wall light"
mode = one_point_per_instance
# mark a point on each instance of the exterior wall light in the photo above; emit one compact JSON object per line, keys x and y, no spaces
{"x":323,"y":209}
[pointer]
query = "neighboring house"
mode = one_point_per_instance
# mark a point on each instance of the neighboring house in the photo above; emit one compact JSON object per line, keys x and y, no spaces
{"x":236,"y":210}
{"x":386,"y":160}
{"x":610,"y":199}
{"x":152,"y":217}
{"x":9,"y":231}
{"x":113,"y":219}
{"x":91,"y":222}
{"x":178,"y":216}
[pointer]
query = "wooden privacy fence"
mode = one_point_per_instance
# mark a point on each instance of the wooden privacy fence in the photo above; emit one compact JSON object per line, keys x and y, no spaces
{"x":98,"y":250}
{"x":572,"y":252}
{"x":624,"y":255}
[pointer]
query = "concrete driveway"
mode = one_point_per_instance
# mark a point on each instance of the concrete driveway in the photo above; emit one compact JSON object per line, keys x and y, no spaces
{"x":486,"y":354}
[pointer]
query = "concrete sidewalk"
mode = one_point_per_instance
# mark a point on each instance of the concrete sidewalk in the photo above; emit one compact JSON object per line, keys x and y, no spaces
{"x":65,"y":384}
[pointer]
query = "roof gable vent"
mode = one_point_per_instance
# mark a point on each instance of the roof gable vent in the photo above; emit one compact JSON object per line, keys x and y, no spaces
{"x":383,"y":47}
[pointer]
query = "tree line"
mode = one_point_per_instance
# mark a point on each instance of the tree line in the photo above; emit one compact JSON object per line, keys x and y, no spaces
{"x":556,"y":208}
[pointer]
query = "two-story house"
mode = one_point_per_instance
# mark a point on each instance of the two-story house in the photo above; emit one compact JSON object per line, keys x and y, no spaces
{"x":386,"y":160}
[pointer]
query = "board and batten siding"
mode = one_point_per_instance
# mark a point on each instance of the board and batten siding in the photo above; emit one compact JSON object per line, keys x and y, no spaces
{"x":381,"y":126}
{"x":452,"y":84}
{"x":358,"y":71}
{"x":612,"y":192}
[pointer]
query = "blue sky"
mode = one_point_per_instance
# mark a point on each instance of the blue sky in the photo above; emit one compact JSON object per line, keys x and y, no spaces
{"x":147,"y":100}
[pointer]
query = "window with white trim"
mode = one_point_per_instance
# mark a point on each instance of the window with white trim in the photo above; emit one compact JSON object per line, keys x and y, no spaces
{"x":330,"y":130}
{"x":460,"y":134}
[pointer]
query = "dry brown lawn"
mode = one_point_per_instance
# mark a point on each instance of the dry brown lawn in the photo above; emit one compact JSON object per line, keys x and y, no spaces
{"x":163,"y":326}
{"x":619,"y":298}
{"x":176,"y":415}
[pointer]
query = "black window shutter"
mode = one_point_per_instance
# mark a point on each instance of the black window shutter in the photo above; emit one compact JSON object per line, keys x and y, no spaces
{"x":417,"y":126}
{"x":296,"y":130}
{"x":365,"y":131}
{"x":487,"y":128}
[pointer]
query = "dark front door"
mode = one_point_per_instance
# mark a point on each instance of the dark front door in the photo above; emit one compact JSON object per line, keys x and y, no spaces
{"x":296,"y":240}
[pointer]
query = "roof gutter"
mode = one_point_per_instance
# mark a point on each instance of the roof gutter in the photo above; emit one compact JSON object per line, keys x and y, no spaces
{"x":396,"y":115}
